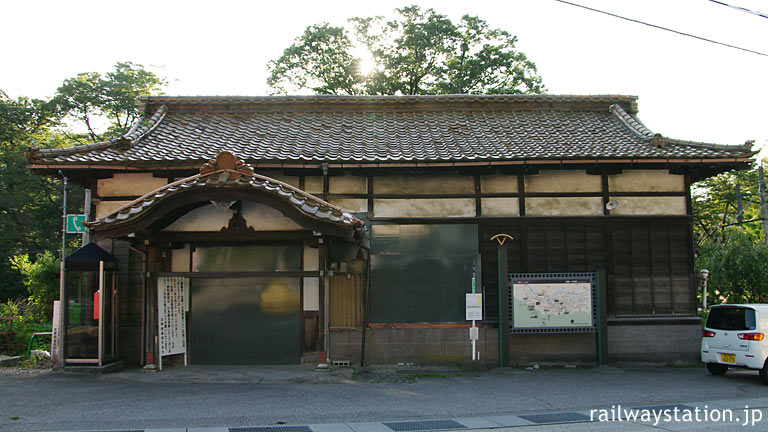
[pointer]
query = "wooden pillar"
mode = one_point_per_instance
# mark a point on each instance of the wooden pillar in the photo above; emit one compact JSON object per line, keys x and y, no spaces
{"x":503,"y":305}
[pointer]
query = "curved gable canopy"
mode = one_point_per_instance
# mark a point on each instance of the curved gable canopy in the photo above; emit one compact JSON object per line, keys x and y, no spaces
{"x":226,"y":179}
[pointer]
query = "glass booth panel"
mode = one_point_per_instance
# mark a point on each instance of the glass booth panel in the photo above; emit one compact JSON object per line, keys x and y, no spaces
{"x":86,"y":308}
{"x":81,"y":323}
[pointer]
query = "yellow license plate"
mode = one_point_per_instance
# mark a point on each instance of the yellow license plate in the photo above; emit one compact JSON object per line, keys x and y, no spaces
{"x":727,"y":358}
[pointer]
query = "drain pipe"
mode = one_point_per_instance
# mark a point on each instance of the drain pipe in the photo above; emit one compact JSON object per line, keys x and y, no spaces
{"x":366,"y":300}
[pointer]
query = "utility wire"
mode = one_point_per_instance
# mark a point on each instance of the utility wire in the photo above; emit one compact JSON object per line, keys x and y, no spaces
{"x":664,"y":28}
{"x":743,"y":9}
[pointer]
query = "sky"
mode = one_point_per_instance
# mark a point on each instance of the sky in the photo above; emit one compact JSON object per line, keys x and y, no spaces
{"x":687,"y":88}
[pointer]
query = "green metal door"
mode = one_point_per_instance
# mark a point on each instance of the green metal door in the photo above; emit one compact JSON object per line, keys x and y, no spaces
{"x":245,"y":320}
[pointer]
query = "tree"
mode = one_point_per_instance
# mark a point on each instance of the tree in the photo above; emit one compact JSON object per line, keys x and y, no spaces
{"x":715,"y":205}
{"x":738,"y":267}
{"x":116,"y":96}
{"x":30,"y":216}
{"x":418,"y":52}
{"x":41,"y":278}
{"x":30,"y":205}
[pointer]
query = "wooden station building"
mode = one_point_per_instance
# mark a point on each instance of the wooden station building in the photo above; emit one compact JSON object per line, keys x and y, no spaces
{"x":349,"y":225}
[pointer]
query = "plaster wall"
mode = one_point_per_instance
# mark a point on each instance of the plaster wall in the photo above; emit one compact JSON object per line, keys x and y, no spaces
{"x":354,"y":205}
{"x":347,"y":185}
{"x":425,"y":207}
{"x":498,"y":183}
{"x":313,"y":185}
{"x":564,"y":206}
{"x":104,"y":208}
{"x":133,"y":184}
{"x":646,"y":181}
{"x":210,"y":218}
{"x":180,"y":259}
{"x":649,"y":206}
{"x":500,"y":206}
{"x":563,"y":181}
{"x":311,"y":294}
{"x":423,"y":184}
{"x":311,"y":258}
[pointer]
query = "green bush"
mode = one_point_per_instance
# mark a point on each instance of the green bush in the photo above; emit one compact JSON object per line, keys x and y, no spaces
{"x":24,"y":327}
{"x":41,"y":277}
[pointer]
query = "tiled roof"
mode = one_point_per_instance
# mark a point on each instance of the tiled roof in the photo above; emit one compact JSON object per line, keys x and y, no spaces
{"x":306,"y":204}
{"x":387,"y":129}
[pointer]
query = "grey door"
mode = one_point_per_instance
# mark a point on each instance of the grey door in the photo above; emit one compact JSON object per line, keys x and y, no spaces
{"x":248,"y":320}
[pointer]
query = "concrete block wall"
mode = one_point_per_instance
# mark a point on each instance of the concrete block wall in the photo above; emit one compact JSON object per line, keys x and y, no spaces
{"x":626,"y":342}
{"x":526,"y":349}
{"x":414,"y":345}
{"x":654,"y":343}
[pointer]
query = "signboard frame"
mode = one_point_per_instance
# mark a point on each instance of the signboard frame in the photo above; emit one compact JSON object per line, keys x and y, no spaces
{"x":73,"y":224}
{"x":549,"y":278}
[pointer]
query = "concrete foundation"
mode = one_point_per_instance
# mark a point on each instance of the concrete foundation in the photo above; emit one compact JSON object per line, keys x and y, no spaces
{"x":414,"y":345}
{"x":662,"y":342}
{"x":640,"y":341}
{"x":525,"y":349}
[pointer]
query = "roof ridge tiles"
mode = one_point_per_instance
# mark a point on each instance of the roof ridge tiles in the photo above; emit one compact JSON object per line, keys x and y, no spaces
{"x":138,"y":131}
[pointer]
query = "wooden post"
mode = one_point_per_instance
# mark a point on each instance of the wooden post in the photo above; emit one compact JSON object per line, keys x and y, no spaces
{"x":602,"y":318}
{"x":503,"y":305}
{"x":763,"y":206}
{"x":739,"y":206}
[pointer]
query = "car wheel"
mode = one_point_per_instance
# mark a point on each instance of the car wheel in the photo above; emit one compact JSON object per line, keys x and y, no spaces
{"x":764,"y":373}
{"x":718,"y":369}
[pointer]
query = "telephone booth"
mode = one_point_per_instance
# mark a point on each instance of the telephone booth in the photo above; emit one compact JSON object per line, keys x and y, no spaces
{"x":90,"y":307}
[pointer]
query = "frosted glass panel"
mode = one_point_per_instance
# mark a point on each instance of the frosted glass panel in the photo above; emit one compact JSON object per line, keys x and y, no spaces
{"x":246,"y":258}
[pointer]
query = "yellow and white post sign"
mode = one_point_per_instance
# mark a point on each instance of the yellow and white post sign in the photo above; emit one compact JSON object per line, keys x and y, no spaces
{"x":474,"y":307}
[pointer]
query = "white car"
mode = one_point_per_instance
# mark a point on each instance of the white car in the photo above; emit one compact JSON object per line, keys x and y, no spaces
{"x":735,"y":336}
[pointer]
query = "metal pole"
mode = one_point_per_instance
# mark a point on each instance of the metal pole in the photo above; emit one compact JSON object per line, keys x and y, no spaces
{"x":62,"y":303}
{"x":87,"y":213}
{"x":763,"y":206}
{"x":705,"y":278}
{"x":474,"y":341}
{"x":739,"y":206}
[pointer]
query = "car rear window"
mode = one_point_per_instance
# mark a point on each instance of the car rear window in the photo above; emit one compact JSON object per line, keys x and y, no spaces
{"x":731,"y":318}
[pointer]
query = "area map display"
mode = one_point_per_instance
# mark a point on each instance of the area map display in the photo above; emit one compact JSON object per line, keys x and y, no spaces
{"x":552,"y":304}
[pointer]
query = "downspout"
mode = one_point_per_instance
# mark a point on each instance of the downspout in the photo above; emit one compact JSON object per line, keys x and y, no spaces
{"x":366,"y":301}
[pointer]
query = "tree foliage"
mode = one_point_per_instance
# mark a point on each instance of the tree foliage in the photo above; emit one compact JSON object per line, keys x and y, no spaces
{"x":735,"y":256}
{"x":30,"y":216}
{"x":30,"y":205}
{"x":41,"y":278}
{"x":418,"y":52}
{"x":114,"y":96}
{"x":715,"y":207}
{"x":738,"y":267}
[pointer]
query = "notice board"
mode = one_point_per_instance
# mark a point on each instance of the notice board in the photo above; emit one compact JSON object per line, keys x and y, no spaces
{"x":172,"y":305}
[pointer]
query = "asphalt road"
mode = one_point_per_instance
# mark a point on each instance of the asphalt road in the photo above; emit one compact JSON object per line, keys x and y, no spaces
{"x":60,"y":401}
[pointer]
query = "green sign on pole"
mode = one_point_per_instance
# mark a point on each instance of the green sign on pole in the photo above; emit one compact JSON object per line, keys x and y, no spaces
{"x":74,"y":224}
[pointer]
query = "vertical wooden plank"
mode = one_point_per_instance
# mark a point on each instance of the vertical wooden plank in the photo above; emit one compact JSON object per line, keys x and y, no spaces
{"x":503,"y":306}
{"x":478,"y":199}
{"x":521,"y":194}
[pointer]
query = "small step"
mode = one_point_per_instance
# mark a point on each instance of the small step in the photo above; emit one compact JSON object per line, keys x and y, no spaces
{"x":310,"y":358}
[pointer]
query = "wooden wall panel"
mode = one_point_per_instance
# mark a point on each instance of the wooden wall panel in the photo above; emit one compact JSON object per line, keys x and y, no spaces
{"x":346,"y":301}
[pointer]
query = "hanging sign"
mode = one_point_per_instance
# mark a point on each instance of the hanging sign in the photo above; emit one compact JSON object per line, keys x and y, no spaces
{"x":75,"y":224}
{"x":172,"y":301}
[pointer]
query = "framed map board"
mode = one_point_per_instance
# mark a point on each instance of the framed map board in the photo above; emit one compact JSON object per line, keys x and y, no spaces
{"x":552,"y":303}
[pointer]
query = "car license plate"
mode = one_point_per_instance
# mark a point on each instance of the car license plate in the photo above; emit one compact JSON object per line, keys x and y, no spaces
{"x":727,"y":358}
